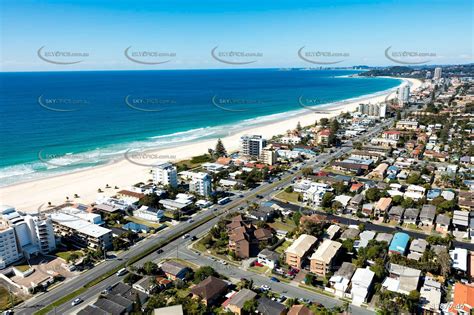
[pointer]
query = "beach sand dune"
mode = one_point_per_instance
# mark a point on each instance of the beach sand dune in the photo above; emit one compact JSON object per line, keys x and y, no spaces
{"x":31,"y":196}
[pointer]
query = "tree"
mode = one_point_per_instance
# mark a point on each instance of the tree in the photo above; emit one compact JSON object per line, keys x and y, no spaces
{"x":289,"y":189}
{"x":324,"y":122}
{"x":204,"y":272}
{"x":397,"y":200}
{"x":296,"y":218}
{"x":150,"y":200}
{"x":298,"y":126}
{"x":327,"y":199}
{"x":407,"y":203}
{"x":444,"y":261}
{"x":220,"y":149}
{"x":307,"y":171}
{"x":72,"y":258}
{"x":372,"y":194}
{"x":150,"y":268}
{"x":250,"y":306}
{"x":309,"y":279}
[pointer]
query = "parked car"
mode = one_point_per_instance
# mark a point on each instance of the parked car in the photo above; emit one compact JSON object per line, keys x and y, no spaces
{"x":265,"y":287}
{"x":274,"y":279}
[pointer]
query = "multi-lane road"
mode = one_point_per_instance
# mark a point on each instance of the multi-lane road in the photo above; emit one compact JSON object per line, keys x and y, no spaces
{"x":42,"y":300}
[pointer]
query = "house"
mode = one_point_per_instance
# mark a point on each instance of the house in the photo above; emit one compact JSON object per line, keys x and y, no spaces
{"x":415,"y":192}
{"x":356,"y":188}
{"x":268,"y":258}
{"x":410,"y":216}
{"x":323,"y":258}
{"x":399,"y":243}
{"x":350,"y":233}
{"x":209,"y":290}
{"x":357,"y":166}
{"x":270,"y":307}
{"x":407,"y":125}
{"x":463,"y":300}
{"x":460,"y":220}
{"x":396,"y":214}
{"x":174,"y":270}
{"x":368,"y":209}
{"x":459,"y":258}
{"x":417,"y":248}
{"x":364,"y":238}
{"x":129,"y":197}
{"x":402,"y":279}
{"x":383,"y":205}
{"x":300,"y":310}
{"x":168,"y":310}
{"x":146,"y":285}
{"x":332,"y":231}
{"x":109,"y":306}
{"x":136,"y":227}
{"x":297,"y":252}
{"x":149,"y":214}
{"x":430,"y":295}
{"x":339,"y":282}
{"x":355,"y":203}
{"x":236,"y":302}
{"x":427,"y":215}
{"x":379,"y":171}
{"x":466,"y":200}
{"x":361,"y":285}
{"x":384,"y":237}
{"x":442,"y":223}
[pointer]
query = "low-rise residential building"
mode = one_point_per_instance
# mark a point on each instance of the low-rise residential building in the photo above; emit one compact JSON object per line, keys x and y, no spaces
{"x":460,"y":220}
{"x":341,"y":279}
{"x":463,"y":299}
{"x":209,"y":290}
{"x":323,"y":258}
{"x":410,"y":216}
{"x":236,"y":302}
{"x":268,"y":258}
{"x":396,"y":214}
{"x":174,"y":270}
{"x":402,"y":279}
{"x":430,"y":295}
{"x":442,"y":223}
{"x":383,"y":205}
{"x":399,"y":243}
{"x":297,"y":252}
{"x":361,"y":285}
{"x":427,"y":215}
{"x":417,"y":248}
{"x":459,"y":258}
{"x":270,"y":307}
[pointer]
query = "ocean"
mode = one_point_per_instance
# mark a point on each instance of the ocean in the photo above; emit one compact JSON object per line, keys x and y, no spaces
{"x":57,"y":122}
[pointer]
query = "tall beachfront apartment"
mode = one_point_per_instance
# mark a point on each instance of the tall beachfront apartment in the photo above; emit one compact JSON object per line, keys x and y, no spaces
{"x":165,"y":174}
{"x":252,"y":145}
{"x":201,"y":184}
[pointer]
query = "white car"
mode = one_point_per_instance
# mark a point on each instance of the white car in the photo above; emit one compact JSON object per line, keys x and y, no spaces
{"x":265,"y":287}
{"x":185,"y":236}
{"x":76,"y":302}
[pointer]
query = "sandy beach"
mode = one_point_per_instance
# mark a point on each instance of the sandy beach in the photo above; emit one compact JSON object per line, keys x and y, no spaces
{"x":30,"y":196}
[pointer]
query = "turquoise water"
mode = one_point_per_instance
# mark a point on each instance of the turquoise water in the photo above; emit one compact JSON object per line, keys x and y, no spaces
{"x":57,"y":122}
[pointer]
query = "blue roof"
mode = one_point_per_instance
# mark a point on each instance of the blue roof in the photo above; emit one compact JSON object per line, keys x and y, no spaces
{"x":135,"y":227}
{"x":433,"y":193}
{"x":399,"y":243}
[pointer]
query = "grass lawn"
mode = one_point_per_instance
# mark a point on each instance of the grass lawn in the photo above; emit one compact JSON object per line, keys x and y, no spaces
{"x":65,"y":255}
{"x":5,"y":302}
{"x":290,"y":197}
{"x":200,"y":246}
{"x":258,"y":269}
{"x":144,"y":222}
{"x":184,"y":262}
{"x":289,"y":225}
{"x":22,"y":268}
{"x":280,"y":249}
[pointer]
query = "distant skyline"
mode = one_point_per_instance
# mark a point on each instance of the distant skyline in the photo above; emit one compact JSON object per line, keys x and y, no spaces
{"x":182,"y":34}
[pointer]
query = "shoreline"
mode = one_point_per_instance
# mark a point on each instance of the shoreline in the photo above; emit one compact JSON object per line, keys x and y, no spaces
{"x":29,"y":195}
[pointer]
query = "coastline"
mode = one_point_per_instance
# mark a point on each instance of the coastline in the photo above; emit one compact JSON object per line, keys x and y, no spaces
{"x":29,"y":196}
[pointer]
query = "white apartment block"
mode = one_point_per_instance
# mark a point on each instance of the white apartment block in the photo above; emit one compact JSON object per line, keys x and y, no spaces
{"x":403,"y":94}
{"x":252,"y":145}
{"x":8,"y":247}
{"x":201,"y":184}
{"x":165,"y":174}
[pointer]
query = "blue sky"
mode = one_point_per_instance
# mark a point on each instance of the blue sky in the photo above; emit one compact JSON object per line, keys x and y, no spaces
{"x":275,"y":30}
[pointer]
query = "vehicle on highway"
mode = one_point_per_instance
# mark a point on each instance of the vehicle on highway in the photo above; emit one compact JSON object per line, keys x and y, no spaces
{"x":190,"y":221}
{"x":265,"y":287}
{"x":241,"y":196}
{"x":259,"y":196}
{"x":76,"y":302}
{"x":223,"y":262}
{"x":8,"y":312}
{"x":121,"y":272}
{"x":223,"y":201}
{"x":159,"y":251}
{"x":185,"y":236}
{"x":274,"y":279}
{"x":193,"y":238}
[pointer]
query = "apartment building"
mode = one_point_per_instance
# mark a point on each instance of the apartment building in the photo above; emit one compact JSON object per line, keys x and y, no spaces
{"x":252,"y":145}
{"x":165,"y":174}
{"x":201,"y":184}
{"x":298,"y":251}
{"x":323,"y":258}
{"x":9,"y":252}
